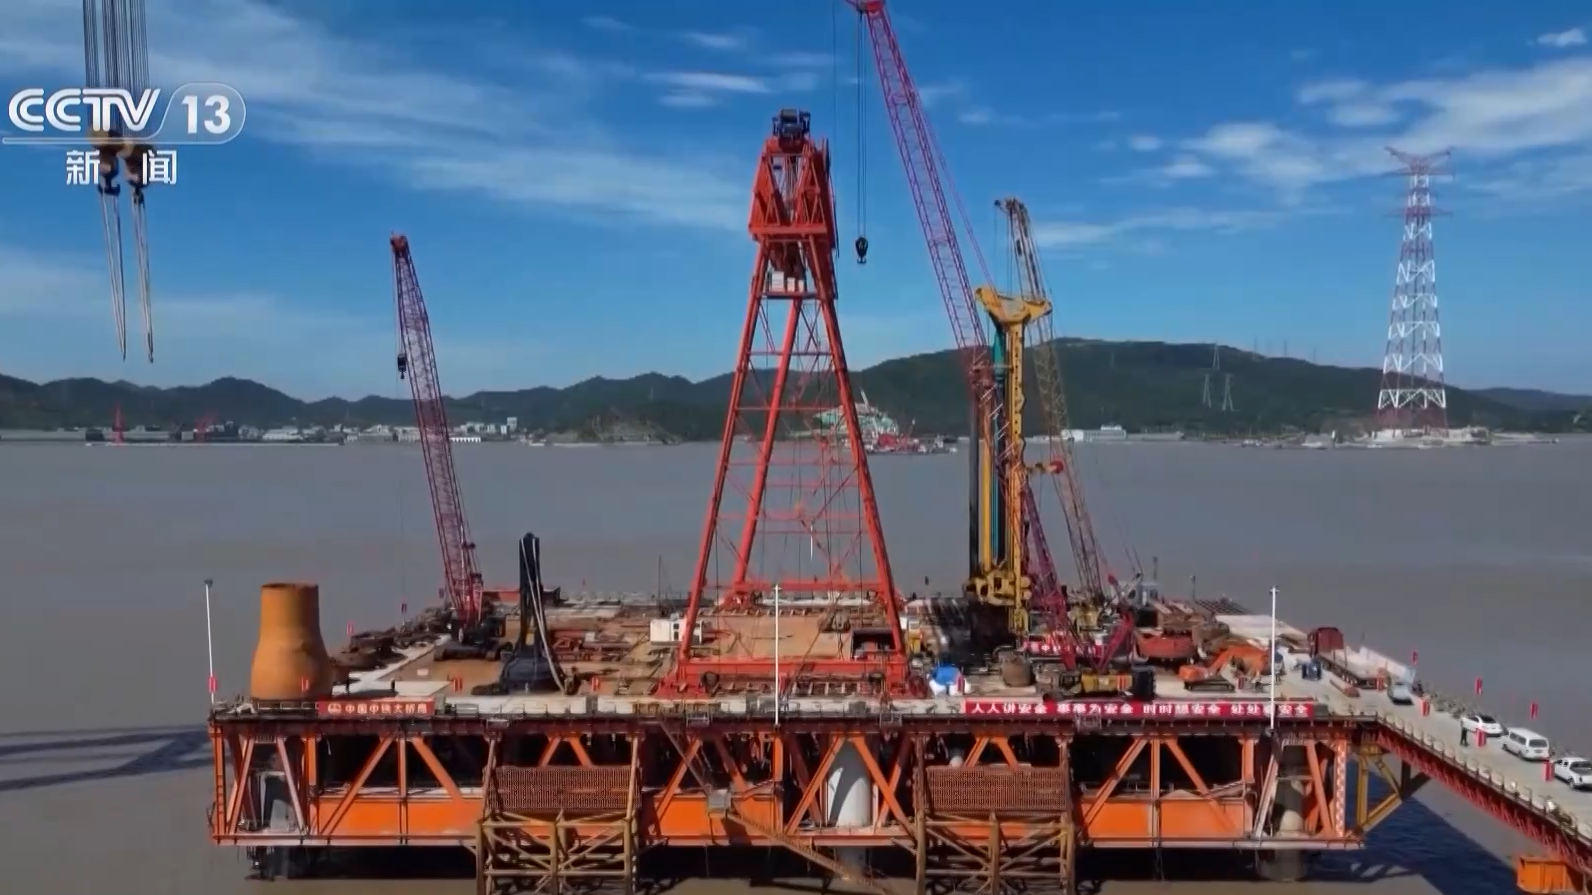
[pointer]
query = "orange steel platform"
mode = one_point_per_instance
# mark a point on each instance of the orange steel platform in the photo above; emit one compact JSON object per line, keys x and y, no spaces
{"x":991,"y":790}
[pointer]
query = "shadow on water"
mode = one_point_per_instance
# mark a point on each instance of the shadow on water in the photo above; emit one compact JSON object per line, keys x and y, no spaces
{"x":155,"y":750}
{"x":1417,"y":841}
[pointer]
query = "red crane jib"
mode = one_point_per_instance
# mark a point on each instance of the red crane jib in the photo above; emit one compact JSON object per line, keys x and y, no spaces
{"x":932,"y":195}
{"x":418,"y":363}
{"x":792,"y":515}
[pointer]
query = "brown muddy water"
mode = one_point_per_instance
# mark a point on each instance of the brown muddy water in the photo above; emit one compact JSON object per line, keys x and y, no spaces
{"x":1479,"y":559}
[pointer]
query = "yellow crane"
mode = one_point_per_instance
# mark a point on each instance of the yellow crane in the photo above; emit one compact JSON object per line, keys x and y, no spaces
{"x":1001,"y":574}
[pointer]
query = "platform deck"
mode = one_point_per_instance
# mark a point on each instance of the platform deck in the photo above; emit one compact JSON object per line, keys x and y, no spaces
{"x":608,"y":651}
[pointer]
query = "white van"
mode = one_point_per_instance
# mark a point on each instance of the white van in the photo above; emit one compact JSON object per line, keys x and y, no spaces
{"x":1526,"y":744}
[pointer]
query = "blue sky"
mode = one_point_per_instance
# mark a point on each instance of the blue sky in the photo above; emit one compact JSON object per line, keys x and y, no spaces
{"x":574,"y":180}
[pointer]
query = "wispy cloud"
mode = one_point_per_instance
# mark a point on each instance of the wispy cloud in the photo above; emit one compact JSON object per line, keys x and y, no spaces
{"x":711,"y":82}
{"x":1539,"y":179}
{"x":956,"y":96}
{"x":702,"y":89}
{"x":724,"y":42}
{"x":1490,"y":117}
{"x":935,"y":93}
{"x":1077,"y":234}
{"x":1563,"y":40}
{"x":1144,"y":143}
{"x":326,"y":93}
{"x":204,"y":336}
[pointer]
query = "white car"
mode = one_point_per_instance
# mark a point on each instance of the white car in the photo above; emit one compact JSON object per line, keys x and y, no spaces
{"x":1476,"y":722}
{"x":1576,"y":772}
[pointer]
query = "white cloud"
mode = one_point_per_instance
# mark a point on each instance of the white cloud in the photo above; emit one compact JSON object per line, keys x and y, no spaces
{"x":1183,"y":167}
{"x":36,"y":282}
{"x":1334,"y":91}
{"x":1487,"y":117}
{"x":711,"y":82}
{"x":199,"y":337}
{"x":934,"y":94}
{"x":326,"y":93}
{"x":1078,"y":234}
{"x":979,"y":116}
{"x":957,"y":96}
{"x":1186,"y":167}
{"x":1563,"y":40}
{"x":721,"y":42}
{"x":1362,"y":115}
{"x":702,"y":89}
{"x":1539,"y":179}
{"x":1144,"y":143}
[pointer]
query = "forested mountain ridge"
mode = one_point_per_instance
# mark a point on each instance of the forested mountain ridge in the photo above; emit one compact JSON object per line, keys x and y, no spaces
{"x":1138,"y":385}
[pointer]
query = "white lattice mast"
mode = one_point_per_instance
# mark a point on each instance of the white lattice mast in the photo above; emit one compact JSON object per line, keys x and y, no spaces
{"x":1413,"y":393}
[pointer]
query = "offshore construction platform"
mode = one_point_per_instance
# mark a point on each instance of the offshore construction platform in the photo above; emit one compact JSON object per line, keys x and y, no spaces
{"x":799,"y":700}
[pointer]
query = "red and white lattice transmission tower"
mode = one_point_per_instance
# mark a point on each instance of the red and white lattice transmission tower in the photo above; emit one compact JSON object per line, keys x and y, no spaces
{"x":792,"y":532}
{"x":1413,"y":393}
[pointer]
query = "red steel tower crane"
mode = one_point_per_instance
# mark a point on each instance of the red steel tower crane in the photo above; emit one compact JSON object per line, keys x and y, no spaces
{"x":798,"y":541}
{"x":417,"y":362}
{"x":933,"y":196}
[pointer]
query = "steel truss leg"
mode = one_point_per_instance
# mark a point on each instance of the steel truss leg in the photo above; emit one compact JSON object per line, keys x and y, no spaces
{"x":584,"y":845}
{"x":999,"y":826}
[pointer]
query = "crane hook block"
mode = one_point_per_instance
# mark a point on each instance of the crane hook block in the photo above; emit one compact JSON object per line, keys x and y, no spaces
{"x":862,"y":250}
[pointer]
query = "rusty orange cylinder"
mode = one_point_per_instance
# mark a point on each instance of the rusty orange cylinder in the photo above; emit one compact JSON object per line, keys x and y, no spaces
{"x":290,"y":659}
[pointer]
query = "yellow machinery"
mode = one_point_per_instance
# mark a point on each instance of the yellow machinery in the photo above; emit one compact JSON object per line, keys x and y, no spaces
{"x":998,"y":575}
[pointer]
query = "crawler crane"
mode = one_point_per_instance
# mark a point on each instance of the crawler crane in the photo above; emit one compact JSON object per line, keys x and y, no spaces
{"x":417,"y":362}
{"x":1011,"y":565}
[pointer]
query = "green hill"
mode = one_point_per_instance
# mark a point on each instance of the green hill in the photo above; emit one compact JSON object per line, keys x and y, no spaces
{"x":1139,"y":385}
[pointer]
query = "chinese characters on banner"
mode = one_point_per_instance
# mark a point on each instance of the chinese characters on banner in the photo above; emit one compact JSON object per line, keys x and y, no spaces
{"x":156,"y":166}
{"x":375,"y":708}
{"x":1109,"y":709}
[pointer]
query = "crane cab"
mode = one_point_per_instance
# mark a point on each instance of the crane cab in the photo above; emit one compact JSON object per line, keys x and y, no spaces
{"x":792,"y":125}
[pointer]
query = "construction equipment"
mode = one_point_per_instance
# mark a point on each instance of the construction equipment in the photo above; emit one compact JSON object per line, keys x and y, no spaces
{"x":1246,"y":661}
{"x":1072,"y":683}
{"x":1010,"y":564}
{"x":530,"y":665}
{"x":1031,"y":288}
{"x":116,"y":55}
{"x":1000,"y":571}
{"x":417,"y":362}
{"x":792,"y":516}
